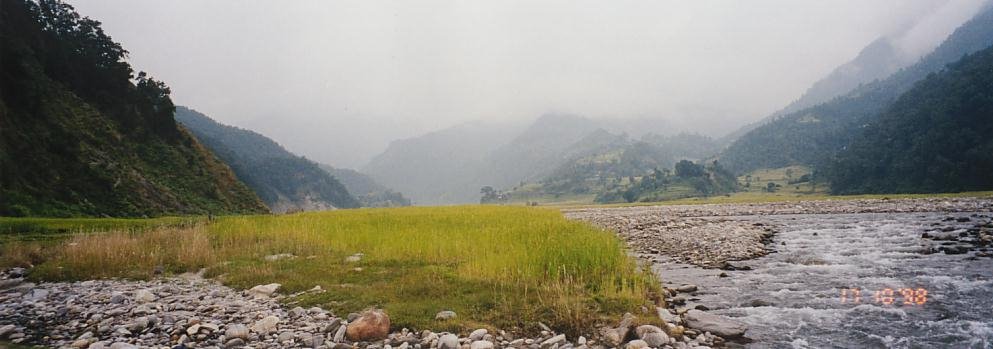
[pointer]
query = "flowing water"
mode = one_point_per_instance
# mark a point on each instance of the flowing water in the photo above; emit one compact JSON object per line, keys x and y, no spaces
{"x":819,"y":290}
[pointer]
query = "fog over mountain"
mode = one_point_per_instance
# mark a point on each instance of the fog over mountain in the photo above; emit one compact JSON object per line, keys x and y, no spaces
{"x":338,"y":81}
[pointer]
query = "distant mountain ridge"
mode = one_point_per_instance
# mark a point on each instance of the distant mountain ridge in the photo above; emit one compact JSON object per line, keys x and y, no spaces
{"x":285,"y":181}
{"x":81,"y":135}
{"x":811,"y":136}
{"x":364,"y":188}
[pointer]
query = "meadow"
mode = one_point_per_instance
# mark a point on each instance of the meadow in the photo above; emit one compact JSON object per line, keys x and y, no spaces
{"x":495,"y":266}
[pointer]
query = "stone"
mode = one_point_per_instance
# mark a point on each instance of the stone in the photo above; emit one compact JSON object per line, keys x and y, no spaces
{"x":6,"y":330}
{"x":234,"y":343}
{"x":445,"y":315}
{"x":614,"y":337}
{"x":144,"y":296}
{"x":559,"y":339}
{"x":481,"y":345}
{"x":236,"y":331}
{"x":122,"y":345}
{"x":478,"y":334}
{"x":117,"y":298}
{"x":276,"y":257}
{"x":312,"y":340}
{"x":686,"y":288}
{"x":285,"y":336}
{"x":80,"y":343}
{"x":353,"y":258}
{"x":264,"y":290}
{"x":371,"y":325}
{"x":654,"y":336}
{"x":37,"y":294}
{"x":448,"y":341}
{"x":636,"y":344}
{"x":266,"y":326}
{"x":339,"y":335}
{"x":667,"y":316}
{"x":138,"y":324}
{"x":716,"y":324}
{"x":193,"y":330}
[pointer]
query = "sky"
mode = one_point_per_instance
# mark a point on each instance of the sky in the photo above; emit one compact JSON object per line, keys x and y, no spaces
{"x":336,"y":81}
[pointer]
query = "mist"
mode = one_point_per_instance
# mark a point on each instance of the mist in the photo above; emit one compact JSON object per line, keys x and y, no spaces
{"x":338,"y":81}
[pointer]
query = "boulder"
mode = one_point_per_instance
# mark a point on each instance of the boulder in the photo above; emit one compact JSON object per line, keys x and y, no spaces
{"x":637,"y":344}
{"x":445,"y":315}
{"x":481,"y":345}
{"x":614,"y":337}
{"x":266,"y":326}
{"x":716,"y":324}
{"x":236,"y":331}
{"x":371,"y":325}
{"x":478,"y":334}
{"x":654,"y":336}
{"x":448,"y":341}
{"x":264,"y":290}
{"x":144,"y":296}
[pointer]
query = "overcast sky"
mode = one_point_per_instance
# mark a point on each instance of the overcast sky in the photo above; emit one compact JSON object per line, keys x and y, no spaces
{"x":337,"y":80}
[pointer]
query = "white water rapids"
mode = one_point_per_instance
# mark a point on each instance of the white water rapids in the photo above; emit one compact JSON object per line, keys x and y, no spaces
{"x":793,"y":298}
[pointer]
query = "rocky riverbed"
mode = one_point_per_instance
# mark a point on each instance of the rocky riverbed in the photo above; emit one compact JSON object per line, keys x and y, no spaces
{"x":192,"y":312}
{"x":709,"y":236}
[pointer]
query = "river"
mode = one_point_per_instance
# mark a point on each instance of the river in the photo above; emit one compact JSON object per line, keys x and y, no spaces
{"x":852,"y":281}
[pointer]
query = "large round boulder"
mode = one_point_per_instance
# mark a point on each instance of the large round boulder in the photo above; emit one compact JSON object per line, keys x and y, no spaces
{"x":371,"y":325}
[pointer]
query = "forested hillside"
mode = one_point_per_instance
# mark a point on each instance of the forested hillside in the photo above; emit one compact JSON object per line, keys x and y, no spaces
{"x":937,"y":137}
{"x":285,"y":181}
{"x":369,"y":192}
{"x":811,"y":136}
{"x":82,"y":135}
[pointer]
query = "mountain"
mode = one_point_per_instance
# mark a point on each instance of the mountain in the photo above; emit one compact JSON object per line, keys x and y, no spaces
{"x":934,"y":138}
{"x":546,"y":144}
{"x":81,"y":135}
{"x":877,"y":61}
{"x":811,"y":136}
{"x":285,"y":181}
{"x":369,"y":192}
{"x":441,"y":167}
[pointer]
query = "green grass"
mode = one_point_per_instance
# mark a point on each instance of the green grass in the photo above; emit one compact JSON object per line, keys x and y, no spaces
{"x":498,"y":267}
{"x":31,"y":228}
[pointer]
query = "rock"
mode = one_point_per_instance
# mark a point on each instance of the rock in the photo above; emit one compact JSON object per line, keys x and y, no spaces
{"x":10,"y":283}
{"x":560,"y":339}
{"x":138,"y":324}
{"x":37,"y":294}
{"x":80,"y":343}
{"x":117,"y":298}
{"x":312,"y":340}
{"x":193,"y":330}
{"x":339,"y":335}
{"x":481,"y":345}
{"x":654,"y":336}
{"x":448,"y":341}
{"x":716,"y":324}
{"x":297,"y":312}
{"x":285,"y":336}
{"x":121,"y":345}
{"x":668,"y":316}
{"x":236,"y":331}
{"x":445,"y":315}
{"x":266,"y":326}
{"x":264,"y":290}
{"x":17,"y":272}
{"x":144,"y":296}
{"x":478,"y":334}
{"x":686,"y":288}
{"x":6,"y":330}
{"x":371,"y":325}
{"x":353,"y":258}
{"x":614,"y":337}
{"x":234,"y":343}
{"x":276,"y":257}
{"x":636,"y":344}
{"x":581,"y":340}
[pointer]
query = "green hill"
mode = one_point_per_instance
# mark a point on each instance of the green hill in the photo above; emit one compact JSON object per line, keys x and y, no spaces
{"x":813,"y":135}
{"x":369,"y":192}
{"x":934,"y":138}
{"x":82,"y":135}
{"x":285,"y":181}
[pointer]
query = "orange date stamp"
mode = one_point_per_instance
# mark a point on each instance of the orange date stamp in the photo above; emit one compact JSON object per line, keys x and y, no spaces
{"x":886,"y":296}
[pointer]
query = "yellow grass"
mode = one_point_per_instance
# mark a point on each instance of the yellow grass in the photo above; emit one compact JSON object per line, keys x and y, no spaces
{"x":502,"y":267}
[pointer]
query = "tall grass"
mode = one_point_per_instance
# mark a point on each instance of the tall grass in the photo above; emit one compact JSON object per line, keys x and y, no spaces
{"x":505,"y":267}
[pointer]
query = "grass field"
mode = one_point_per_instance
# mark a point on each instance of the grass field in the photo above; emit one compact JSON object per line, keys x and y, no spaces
{"x":500,"y":267}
